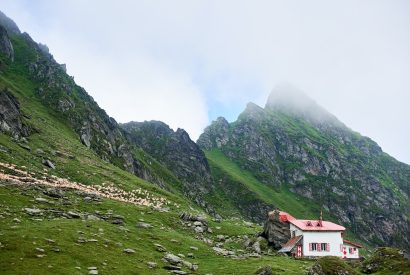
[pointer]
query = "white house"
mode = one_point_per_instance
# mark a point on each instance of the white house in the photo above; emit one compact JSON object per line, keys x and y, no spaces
{"x":316,"y":238}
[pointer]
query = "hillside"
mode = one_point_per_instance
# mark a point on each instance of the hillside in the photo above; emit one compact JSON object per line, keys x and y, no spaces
{"x":304,"y":159}
{"x":80,"y":193}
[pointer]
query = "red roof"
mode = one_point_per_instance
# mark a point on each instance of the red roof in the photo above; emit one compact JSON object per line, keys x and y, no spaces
{"x":285,"y":217}
{"x":307,"y":225}
{"x":352,"y":243}
{"x":314,"y":225}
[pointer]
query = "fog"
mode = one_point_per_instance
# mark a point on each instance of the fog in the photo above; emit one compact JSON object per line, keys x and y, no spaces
{"x":187,"y":62}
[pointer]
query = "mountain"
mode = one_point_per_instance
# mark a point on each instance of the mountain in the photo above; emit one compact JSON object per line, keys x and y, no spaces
{"x":78,"y":190}
{"x":292,"y":144}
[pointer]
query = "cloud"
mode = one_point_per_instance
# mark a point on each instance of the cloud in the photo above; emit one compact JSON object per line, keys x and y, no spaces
{"x":179,"y":61}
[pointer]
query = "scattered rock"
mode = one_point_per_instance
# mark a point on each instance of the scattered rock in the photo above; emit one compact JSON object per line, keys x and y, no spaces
{"x":117,"y":221}
{"x":16,"y":220}
{"x":264,"y":270}
{"x":152,"y":264}
{"x":144,"y":225}
{"x":74,"y":215}
{"x":194,"y":248}
{"x":172,"y":259}
{"x":40,"y":250}
{"x":160,"y":248}
{"x":199,"y":229}
{"x":48,"y":163}
{"x":41,"y":200}
{"x":33,"y":211}
{"x":129,"y":251}
{"x":39,"y":152}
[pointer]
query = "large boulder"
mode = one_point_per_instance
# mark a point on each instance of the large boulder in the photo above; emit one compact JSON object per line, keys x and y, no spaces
{"x":276,"y":231}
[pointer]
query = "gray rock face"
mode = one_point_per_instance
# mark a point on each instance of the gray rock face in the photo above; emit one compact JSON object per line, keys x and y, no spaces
{"x":11,"y":116}
{"x":6,"y":48}
{"x":215,"y":135}
{"x":177,"y":152}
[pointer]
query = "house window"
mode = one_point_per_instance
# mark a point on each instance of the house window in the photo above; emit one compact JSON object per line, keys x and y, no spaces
{"x":319,"y":247}
{"x":351,"y":250}
{"x":293,"y":233}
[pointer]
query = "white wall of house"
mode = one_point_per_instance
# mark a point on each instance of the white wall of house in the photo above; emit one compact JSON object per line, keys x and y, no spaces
{"x":351,"y":251}
{"x":333,"y":238}
{"x":295,"y":229}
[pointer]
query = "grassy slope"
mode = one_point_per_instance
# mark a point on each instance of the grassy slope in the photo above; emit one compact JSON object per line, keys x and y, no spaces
{"x":284,"y":199}
{"x":74,"y":161}
{"x":19,"y":241}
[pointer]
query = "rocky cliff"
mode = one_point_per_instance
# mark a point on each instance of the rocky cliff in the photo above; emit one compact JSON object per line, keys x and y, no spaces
{"x":295,"y":144}
{"x":177,"y":152}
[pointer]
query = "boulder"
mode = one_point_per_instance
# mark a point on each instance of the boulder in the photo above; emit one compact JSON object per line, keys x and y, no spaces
{"x":172,"y":259}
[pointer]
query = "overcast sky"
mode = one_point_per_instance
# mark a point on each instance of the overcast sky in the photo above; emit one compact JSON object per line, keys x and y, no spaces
{"x":187,"y":62}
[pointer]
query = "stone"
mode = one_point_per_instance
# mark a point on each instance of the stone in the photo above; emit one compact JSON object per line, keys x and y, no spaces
{"x":48,"y":163}
{"x":220,"y":238}
{"x":33,"y":211}
{"x":93,"y":271}
{"x":144,"y":225}
{"x":159,"y":247}
{"x":129,"y":251}
{"x":74,"y":215}
{"x":172,"y":259}
{"x":256,"y":247}
{"x":194,"y":248}
{"x":152,"y":264}
{"x":198,"y":223}
{"x":181,"y":272}
{"x":117,"y":221}
{"x":41,"y":200}
{"x":264,"y":270}
{"x":40,"y":250}
{"x":16,"y":220}
{"x":199,"y":229}
{"x":39,"y":152}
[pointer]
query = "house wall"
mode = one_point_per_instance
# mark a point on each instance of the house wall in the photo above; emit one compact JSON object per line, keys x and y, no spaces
{"x":354,"y":255}
{"x":333,"y":238}
{"x":298,"y":232}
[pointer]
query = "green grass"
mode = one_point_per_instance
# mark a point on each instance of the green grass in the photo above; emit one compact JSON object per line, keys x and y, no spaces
{"x":20,"y":240}
{"x":283,"y":199}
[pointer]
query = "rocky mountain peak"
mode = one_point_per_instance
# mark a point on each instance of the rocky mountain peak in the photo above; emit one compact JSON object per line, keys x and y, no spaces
{"x":215,"y":135}
{"x":291,"y":100}
{"x":252,"y":111}
{"x":8,"y":24}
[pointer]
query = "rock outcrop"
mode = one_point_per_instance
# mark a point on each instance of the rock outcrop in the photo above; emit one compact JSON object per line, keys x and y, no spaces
{"x":6,"y":48}
{"x":10,"y":115}
{"x":177,"y":152}
{"x":275,"y":231}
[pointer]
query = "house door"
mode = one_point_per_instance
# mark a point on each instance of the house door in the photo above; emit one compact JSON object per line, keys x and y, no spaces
{"x":299,"y":251}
